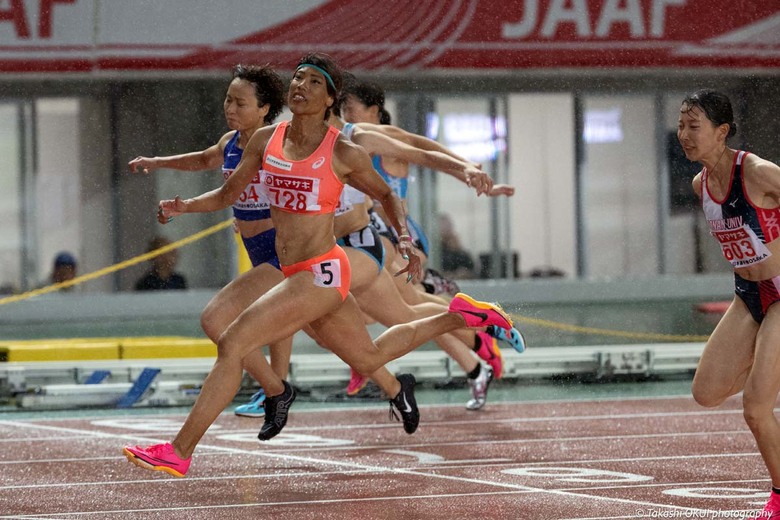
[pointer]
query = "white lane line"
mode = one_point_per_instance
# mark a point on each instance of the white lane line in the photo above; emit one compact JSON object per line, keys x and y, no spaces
{"x":267,"y":504}
{"x":436,"y":445}
{"x":36,"y":439}
{"x":525,"y":420}
{"x":425,"y":475}
{"x":274,"y":473}
{"x":523,"y":441}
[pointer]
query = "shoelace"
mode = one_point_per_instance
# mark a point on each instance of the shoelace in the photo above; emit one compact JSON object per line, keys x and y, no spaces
{"x":158,"y":450}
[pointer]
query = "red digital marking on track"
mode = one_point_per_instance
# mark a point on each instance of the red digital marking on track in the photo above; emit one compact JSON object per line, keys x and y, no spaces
{"x":545,"y":460}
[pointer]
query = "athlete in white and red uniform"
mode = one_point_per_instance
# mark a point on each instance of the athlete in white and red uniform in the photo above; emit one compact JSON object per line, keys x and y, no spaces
{"x":376,"y":293}
{"x":740,"y":194}
{"x":743,"y":230}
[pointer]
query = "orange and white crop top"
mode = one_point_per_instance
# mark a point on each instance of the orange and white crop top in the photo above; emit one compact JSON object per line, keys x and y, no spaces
{"x":307,"y":186}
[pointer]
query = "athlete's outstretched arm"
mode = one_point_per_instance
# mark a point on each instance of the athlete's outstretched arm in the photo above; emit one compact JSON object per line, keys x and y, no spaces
{"x":230,"y":190}
{"x":207,"y":159}
{"x":380,"y":144}
{"x":415,"y":140}
{"x":356,"y":170}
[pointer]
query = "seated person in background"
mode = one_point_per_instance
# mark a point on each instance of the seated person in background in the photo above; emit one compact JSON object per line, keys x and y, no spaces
{"x":456,"y":262}
{"x":161,"y":276}
{"x":64,"y":269}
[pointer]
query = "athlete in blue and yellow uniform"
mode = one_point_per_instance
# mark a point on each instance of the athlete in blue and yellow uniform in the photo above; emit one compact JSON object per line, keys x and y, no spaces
{"x":254,"y":99}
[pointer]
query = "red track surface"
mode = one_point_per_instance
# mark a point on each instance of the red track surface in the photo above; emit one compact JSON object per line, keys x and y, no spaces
{"x":654,"y":458}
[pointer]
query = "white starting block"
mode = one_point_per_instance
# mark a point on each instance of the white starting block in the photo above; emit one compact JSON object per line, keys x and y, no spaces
{"x":144,"y":391}
{"x":624,"y":363}
{"x":131,"y":383}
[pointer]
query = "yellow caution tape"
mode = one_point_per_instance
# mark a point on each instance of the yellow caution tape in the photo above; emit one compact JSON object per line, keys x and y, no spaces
{"x":608,"y":332}
{"x":117,"y":267}
{"x":222,"y":225}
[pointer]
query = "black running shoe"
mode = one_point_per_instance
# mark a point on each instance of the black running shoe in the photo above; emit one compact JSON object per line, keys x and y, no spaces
{"x":406,"y":404}
{"x":276,"y":409}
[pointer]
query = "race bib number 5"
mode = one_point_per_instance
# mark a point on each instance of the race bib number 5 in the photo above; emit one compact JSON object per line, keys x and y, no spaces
{"x":327,"y":273}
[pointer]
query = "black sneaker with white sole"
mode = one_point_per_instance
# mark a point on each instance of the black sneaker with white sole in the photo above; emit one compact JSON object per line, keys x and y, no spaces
{"x":276,"y":410}
{"x":406,"y":404}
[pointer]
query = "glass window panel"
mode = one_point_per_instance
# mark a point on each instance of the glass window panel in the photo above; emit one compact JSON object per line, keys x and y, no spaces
{"x":619,"y":186}
{"x":58,"y":182}
{"x":467,"y":228}
{"x":10,"y":200}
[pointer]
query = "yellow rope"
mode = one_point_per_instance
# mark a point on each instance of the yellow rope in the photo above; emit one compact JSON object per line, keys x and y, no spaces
{"x":222,"y":225}
{"x":607,"y":332}
{"x":117,"y":267}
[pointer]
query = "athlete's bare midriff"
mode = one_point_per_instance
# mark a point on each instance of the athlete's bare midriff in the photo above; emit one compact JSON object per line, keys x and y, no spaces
{"x":300,"y":236}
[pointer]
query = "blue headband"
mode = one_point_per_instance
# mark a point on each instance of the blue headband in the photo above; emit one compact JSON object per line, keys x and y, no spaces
{"x":321,"y":71}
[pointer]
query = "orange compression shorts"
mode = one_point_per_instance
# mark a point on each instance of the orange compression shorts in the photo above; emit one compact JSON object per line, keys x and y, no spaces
{"x":331,"y":270}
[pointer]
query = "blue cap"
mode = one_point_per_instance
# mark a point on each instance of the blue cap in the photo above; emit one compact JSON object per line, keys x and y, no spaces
{"x":65,"y":258}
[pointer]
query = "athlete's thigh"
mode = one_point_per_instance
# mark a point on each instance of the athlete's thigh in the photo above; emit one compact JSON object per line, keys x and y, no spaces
{"x":382,"y":302}
{"x":728,"y":354}
{"x":239,"y":294}
{"x":281,"y":312}
{"x":343,"y":332}
{"x":390,"y":250}
{"x":364,"y":269}
{"x":763,"y":383}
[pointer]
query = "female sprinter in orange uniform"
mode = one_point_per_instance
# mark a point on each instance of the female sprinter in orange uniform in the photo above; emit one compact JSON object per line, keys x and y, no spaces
{"x":305,"y":163}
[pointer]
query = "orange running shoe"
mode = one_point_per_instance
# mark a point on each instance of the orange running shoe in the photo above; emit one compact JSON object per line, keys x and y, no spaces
{"x":771,"y":510}
{"x":357,"y":383}
{"x":479,"y":314}
{"x":158,"y":457}
{"x":490,"y":352}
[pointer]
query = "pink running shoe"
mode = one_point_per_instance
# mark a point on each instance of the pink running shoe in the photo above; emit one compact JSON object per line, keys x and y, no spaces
{"x":490,"y":352}
{"x":479,"y":314}
{"x":357,"y":383}
{"x":771,"y":510}
{"x":158,"y":457}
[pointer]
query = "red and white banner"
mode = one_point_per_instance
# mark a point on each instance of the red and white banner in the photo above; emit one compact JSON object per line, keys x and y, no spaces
{"x":398,"y":35}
